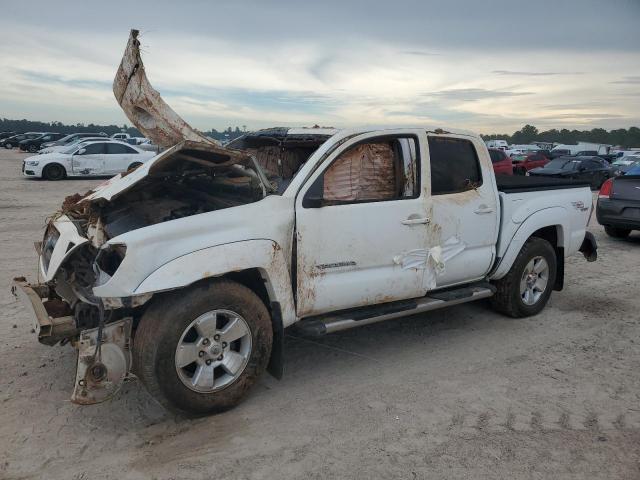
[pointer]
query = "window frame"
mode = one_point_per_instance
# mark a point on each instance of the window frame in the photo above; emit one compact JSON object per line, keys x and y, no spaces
{"x":130,"y":151}
{"x":318,"y":183}
{"x":479,"y":165}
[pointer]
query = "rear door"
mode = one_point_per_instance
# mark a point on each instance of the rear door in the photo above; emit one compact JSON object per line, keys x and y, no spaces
{"x":465,"y":214}
{"x":90,"y":161}
{"x":118,"y":157}
{"x":362,"y":224}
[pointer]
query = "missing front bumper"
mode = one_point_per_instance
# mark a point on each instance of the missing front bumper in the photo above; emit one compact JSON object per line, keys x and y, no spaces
{"x":52,"y":320}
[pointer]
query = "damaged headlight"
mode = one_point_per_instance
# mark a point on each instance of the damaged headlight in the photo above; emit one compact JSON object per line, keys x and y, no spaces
{"x":50,"y":239}
{"x":33,"y":163}
{"x":108,"y":260}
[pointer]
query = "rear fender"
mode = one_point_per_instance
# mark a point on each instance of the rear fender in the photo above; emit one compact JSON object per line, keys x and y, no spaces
{"x":556,"y":216}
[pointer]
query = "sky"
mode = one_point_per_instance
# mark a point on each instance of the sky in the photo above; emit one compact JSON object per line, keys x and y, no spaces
{"x":490,"y":66}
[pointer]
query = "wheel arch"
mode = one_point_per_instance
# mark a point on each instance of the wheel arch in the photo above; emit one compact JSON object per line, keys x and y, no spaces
{"x":553,"y":225}
{"x":49,"y":165}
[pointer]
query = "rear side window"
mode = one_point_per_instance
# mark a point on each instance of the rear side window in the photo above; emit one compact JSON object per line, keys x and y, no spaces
{"x":454,"y":165}
{"x":116,"y":148}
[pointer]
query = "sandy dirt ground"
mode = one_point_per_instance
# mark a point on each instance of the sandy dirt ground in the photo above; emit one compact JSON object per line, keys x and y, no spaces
{"x":457,"y":393}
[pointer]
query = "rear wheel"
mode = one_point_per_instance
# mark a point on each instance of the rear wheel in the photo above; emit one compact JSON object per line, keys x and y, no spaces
{"x":526,"y":289}
{"x":133,"y":166}
{"x":199,"y":351}
{"x":8,"y":146}
{"x":54,"y":171}
{"x":617,"y":232}
{"x":33,"y":148}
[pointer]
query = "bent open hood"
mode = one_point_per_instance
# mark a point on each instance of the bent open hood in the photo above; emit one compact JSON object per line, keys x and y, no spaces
{"x":144,"y":106}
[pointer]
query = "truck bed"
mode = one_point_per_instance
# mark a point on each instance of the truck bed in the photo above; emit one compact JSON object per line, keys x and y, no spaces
{"x":520,"y":183}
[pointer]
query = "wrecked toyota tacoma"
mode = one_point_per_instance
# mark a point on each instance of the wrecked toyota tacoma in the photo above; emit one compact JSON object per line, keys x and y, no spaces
{"x":185,"y":271}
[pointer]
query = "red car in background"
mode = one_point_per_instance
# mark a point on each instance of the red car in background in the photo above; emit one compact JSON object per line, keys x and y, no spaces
{"x":523,"y":163}
{"x":501,"y":162}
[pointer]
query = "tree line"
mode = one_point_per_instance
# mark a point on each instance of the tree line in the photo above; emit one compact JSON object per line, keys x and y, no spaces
{"x":622,"y":136}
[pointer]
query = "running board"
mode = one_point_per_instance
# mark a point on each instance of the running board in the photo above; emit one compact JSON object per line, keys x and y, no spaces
{"x":357,"y":317}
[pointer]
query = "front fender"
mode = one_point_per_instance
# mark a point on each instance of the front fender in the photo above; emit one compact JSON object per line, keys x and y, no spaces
{"x":265,"y":255}
{"x":548,"y":217}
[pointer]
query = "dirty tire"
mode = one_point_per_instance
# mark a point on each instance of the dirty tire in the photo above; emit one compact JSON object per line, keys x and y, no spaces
{"x":54,"y":171}
{"x":134,"y":165}
{"x":617,"y":232}
{"x":161,"y":327}
{"x":508,"y":299}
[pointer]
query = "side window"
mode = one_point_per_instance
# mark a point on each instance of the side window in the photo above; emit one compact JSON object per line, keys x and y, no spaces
{"x":115,"y":148}
{"x":373,"y":171}
{"x":93,"y":149}
{"x":454,"y":165}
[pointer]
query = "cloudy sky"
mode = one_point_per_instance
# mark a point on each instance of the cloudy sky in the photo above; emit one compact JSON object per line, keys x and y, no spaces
{"x":490,"y":65}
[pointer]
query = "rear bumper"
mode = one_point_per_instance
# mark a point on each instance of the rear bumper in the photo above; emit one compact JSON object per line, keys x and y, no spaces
{"x":618,"y":213}
{"x":589,"y":247}
{"x":50,"y":317}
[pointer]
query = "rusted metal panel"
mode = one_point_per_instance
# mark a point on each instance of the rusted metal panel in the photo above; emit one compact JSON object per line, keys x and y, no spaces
{"x":144,"y":106}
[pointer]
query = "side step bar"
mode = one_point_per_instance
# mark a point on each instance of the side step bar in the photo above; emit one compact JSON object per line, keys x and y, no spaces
{"x":357,"y":317}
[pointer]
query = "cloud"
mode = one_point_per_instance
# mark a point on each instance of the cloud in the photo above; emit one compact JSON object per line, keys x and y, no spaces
{"x":471,"y":94}
{"x":534,"y":74}
{"x":632,"y":80}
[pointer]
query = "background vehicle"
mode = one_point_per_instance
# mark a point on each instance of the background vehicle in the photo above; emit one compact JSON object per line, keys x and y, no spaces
{"x":33,"y":144}
{"x":75,"y":141}
{"x":593,"y":170}
{"x":72,"y":138}
{"x":618,"y":208}
{"x":560,"y":152}
{"x":502,"y":164}
{"x":4,"y":135}
{"x":94,"y":158}
{"x":497,"y":144}
{"x":523,"y":163}
{"x":624,"y":164}
{"x":11,"y":142}
{"x":120,"y":136}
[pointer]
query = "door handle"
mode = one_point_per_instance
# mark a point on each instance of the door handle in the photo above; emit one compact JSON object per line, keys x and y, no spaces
{"x":483,"y":209}
{"x":416,"y":221}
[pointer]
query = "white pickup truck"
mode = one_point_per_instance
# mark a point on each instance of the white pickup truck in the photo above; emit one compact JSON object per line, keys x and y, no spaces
{"x":186,"y":271}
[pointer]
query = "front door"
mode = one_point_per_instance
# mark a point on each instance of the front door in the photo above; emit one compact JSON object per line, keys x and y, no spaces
{"x":361,"y":225}
{"x":89,"y":159}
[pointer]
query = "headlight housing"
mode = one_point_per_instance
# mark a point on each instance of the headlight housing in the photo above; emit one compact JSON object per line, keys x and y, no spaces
{"x":110,"y":257}
{"x":32,"y":163}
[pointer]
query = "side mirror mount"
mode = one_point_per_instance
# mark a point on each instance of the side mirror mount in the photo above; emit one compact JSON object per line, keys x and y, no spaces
{"x":81,"y":151}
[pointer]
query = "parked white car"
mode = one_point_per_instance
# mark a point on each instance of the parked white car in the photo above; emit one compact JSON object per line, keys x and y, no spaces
{"x":94,"y":158}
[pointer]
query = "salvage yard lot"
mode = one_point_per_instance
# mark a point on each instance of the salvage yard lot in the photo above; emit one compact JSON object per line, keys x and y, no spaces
{"x":456,"y":393}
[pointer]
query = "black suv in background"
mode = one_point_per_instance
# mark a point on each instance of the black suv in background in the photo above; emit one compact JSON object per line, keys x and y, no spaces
{"x":4,"y":135}
{"x":11,"y":142}
{"x":34,"y":144}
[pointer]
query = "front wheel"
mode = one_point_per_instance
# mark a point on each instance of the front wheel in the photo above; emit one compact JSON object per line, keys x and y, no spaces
{"x":199,"y":351}
{"x":8,"y":146}
{"x":526,"y":288}
{"x":54,"y":171}
{"x":33,"y":148}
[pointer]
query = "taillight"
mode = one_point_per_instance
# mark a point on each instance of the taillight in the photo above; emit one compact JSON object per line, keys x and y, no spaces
{"x":605,"y":189}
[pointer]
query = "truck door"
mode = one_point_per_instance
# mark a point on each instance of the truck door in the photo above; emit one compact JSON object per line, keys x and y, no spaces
{"x":361,"y":225}
{"x":465,"y":207}
{"x":89,"y":159}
